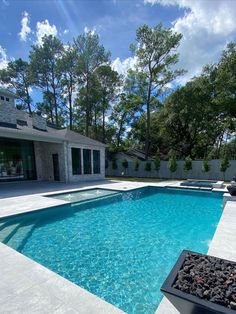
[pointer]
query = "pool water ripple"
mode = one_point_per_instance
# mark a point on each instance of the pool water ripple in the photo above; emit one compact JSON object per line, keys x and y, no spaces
{"x":120,"y":248}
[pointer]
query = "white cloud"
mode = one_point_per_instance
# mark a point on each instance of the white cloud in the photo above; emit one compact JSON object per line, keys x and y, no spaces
{"x":123,"y":66}
{"x":44,"y":28}
{"x":3,"y":58}
{"x":66,"y":31}
{"x":25,"y":29}
{"x":206,"y":26}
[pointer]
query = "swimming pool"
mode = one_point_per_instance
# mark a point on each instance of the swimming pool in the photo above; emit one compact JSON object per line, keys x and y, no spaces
{"x":120,"y":248}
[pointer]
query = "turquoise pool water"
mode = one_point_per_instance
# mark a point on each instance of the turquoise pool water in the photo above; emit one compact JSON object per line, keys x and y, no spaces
{"x":121,"y":247}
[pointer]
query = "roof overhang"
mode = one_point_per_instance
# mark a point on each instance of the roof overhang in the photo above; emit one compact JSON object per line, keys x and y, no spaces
{"x":19,"y":134}
{"x":7,"y":92}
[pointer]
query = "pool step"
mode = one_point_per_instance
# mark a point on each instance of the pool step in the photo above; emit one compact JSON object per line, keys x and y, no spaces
{"x":19,"y":238}
{"x":5,"y":224}
{"x":8,"y":231}
{"x":95,"y":199}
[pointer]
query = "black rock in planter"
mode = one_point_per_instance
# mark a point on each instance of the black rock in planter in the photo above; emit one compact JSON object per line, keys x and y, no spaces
{"x":202,"y":284}
{"x":232,"y":190}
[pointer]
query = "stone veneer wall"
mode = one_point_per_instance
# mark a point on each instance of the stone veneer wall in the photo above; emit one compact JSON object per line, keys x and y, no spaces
{"x":44,"y":162}
{"x":7,"y":111}
{"x":39,"y":122}
{"x":10,"y":114}
{"x":85,"y":177}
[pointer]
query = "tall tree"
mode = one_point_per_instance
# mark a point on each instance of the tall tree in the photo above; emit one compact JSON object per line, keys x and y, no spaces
{"x":17,"y":76}
{"x":91,"y":55}
{"x":123,"y":114}
{"x":155,"y":50}
{"x":46,"y":73}
{"x":71,"y":80}
{"x":225,"y":81}
{"x":188,"y":121}
{"x":108,"y":82}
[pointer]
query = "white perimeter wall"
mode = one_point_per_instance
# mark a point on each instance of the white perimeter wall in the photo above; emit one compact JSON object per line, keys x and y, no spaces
{"x":195,"y":173}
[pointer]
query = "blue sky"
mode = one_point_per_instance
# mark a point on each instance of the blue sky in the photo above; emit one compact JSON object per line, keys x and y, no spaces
{"x":115,"y":21}
{"x":206,"y":25}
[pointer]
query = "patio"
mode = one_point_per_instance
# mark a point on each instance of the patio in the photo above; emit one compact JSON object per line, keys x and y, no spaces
{"x":13,"y":189}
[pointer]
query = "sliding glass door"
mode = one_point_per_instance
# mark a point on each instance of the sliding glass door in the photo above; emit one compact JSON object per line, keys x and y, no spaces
{"x":17,"y":161}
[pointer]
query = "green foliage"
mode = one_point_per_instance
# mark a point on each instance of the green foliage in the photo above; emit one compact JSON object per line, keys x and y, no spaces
{"x":91,"y":55}
{"x":136,"y":164}
{"x":125,"y":164}
{"x":225,"y":164}
{"x":205,"y":165}
{"x":148,"y":166}
{"x":114,"y":164}
{"x":155,"y":50}
{"x":172,"y":163}
{"x":188,"y":164}
{"x":157,"y":163}
{"x":17,"y":76}
{"x":123,"y":114}
{"x":47,"y":74}
{"x":197,"y":119}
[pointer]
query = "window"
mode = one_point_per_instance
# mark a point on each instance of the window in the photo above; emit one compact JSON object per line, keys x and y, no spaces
{"x":76,"y":160}
{"x":7,"y":99}
{"x":16,"y":160}
{"x":2,"y":98}
{"x":87,"y":161}
{"x":96,"y":161}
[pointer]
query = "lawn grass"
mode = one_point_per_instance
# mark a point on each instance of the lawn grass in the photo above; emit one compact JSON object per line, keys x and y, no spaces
{"x":132,"y":179}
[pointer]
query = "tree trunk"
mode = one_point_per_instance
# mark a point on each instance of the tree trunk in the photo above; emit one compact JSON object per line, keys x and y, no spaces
{"x":87,"y":111}
{"x":147,"y":140}
{"x":103,"y":121}
{"x":28,"y":101}
{"x":70,"y":109}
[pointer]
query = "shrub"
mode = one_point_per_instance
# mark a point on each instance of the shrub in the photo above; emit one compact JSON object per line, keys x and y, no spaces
{"x":136,"y":164}
{"x":172,"y":164}
{"x":188,"y":163}
{"x":157,"y":163}
{"x":148,"y":166}
{"x":114,"y":164}
{"x":125,"y":164}
{"x":225,"y":164}
{"x":205,"y":166}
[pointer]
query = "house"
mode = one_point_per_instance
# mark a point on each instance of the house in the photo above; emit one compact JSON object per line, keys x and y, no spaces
{"x":132,"y":155}
{"x":30,"y":149}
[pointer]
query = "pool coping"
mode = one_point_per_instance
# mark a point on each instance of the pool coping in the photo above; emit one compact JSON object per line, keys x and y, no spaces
{"x":41,"y":289}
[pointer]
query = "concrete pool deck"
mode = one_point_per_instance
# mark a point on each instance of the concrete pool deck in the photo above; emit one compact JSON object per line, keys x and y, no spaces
{"x":28,"y":287}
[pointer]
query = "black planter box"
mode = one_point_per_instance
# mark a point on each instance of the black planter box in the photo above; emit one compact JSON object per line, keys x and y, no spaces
{"x":186,"y":303}
{"x":232,"y":190}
